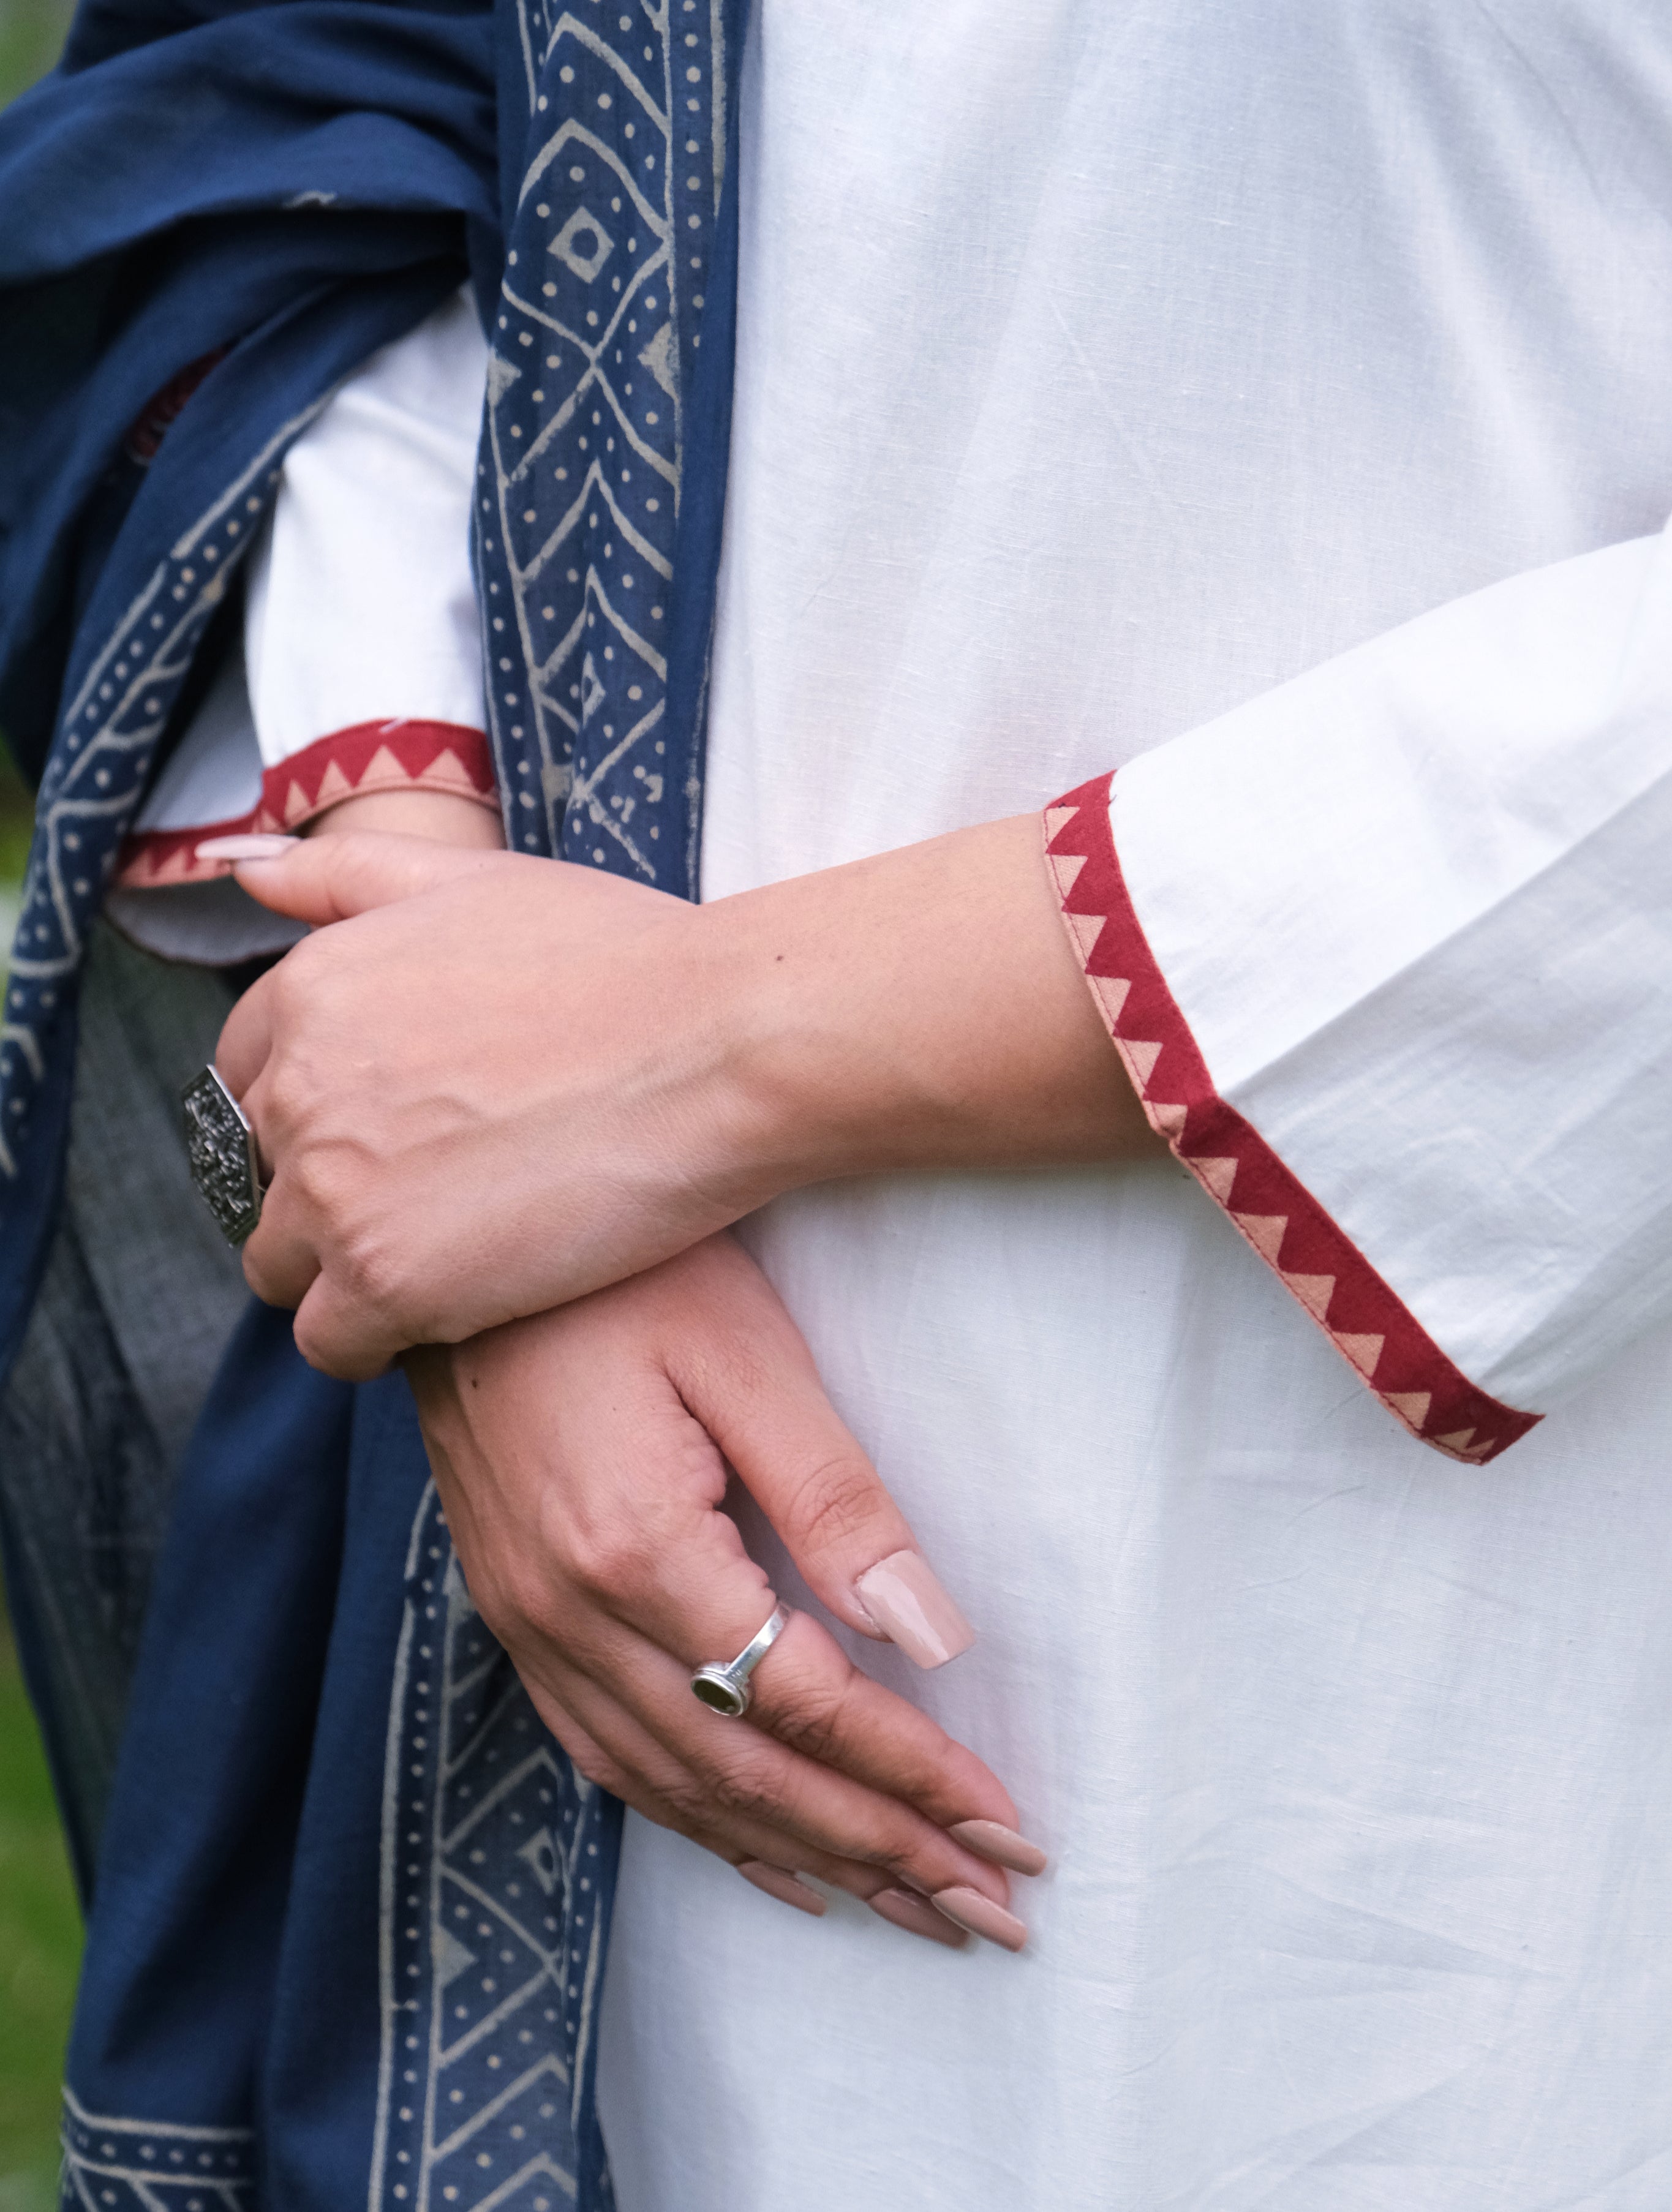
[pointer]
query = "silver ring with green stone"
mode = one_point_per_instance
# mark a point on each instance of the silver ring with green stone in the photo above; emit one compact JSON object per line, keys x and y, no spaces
{"x":726,"y":1689}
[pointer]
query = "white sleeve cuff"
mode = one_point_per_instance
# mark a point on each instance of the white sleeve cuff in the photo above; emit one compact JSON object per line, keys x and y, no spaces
{"x":1388,"y":953}
{"x":360,"y":666}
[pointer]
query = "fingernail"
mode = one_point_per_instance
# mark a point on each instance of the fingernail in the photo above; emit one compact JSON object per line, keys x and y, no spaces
{"x":979,"y":1914}
{"x":991,"y":1839}
{"x":901,"y":1909}
{"x":784,"y":1886}
{"x":907,"y":1604}
{"x":251,"y":847}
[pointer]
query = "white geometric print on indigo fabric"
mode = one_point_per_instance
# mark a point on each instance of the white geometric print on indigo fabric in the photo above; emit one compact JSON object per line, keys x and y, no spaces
{"x":134,"y":2166}
{"x":496,"y":1861}
{"x":598,"y":327}
{"x":110,"y":731}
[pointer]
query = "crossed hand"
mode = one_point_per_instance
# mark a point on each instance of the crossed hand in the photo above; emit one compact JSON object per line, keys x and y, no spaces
{"x":506,"y":1107}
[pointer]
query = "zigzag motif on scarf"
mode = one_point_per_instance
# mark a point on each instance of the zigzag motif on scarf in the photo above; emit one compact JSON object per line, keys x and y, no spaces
{"x":108,"y":736}
{"x":498,"y":1869}
{"x":583,"y":448}
{"x":136,"y":2166}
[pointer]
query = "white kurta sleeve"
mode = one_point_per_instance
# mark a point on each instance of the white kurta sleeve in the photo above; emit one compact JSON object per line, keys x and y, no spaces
{"x":1388,"y":953}
{"x":360,"y":667}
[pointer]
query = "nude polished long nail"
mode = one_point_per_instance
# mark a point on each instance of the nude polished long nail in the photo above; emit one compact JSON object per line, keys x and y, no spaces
{"x":245,"y":847}
{"x":992,"y":1840}
{"x":787,"y":1888}
{"x":901,"y":1909}
{"x":903,"y":1598}
{"x":968,"y":1909}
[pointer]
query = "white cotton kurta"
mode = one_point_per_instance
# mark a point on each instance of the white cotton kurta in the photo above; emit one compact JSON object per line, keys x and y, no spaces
{"x":1102,"y":365}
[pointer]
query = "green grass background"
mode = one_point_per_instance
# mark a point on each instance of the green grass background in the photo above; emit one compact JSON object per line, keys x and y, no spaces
{"x":40,"y":1935}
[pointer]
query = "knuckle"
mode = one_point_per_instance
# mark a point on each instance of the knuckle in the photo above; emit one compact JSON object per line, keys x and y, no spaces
{"x":322,"y":1352}
{"x":809,"y":1717}
{"x":372,"y":1271}
{"x":516,"y":1601}
{"x":296,"y":986}
{"x":601,"y":1771}
{"x":744,"y":1793}
{"x":687,"y":1807}
{"x":262,"y":1277}
{"x":607,"y":1557}
{"x":833,"y":1502}
{"x":896,"y":1846}
{"x":589,"y":1759}
{"x":283,"y":1103}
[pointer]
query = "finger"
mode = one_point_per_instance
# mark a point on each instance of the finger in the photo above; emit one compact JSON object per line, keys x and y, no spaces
{"x":809,"y":1695}
{"x":326,"y":879}
{"x":281,"y":1264}
{"x":635,"y":1768}
{"x":708,"y":1606}
{"x":342,"y":1331}
{"x":906,"y":1779}
{"x":754,"y":1388}
{"x":599,"y":1767}
{"x":749,"y":1776}
{"x":247,"y":1037}
{"x":787,"y":1888}
{"x":579,"y":1637}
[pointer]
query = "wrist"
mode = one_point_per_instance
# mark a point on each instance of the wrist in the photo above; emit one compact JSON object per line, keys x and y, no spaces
{"x":446,"y":818}
{"x":917,"y":1011}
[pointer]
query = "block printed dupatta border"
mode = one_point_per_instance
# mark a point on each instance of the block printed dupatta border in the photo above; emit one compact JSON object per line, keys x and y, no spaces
{"x":599,"y":498}
{"x":1366,"y":1320}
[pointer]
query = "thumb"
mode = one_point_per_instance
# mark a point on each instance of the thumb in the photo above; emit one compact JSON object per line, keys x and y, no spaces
{"x":758,"y":1394}
{"x":324,"y":879}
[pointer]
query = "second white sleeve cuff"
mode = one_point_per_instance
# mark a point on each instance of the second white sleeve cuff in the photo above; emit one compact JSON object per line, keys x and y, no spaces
{"x":1388,"y":953}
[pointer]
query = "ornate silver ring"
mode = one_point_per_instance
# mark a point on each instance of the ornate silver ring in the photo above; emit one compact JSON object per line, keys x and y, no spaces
{"x":726,"y":1689}
{"x":220,"y":1147}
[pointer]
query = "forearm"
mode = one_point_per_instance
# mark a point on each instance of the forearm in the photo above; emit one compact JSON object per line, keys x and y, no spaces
{"x":576,"y":1077}
{"x":919,"y":1010}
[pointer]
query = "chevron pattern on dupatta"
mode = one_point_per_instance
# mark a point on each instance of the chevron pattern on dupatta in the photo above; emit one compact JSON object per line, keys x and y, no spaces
{"x":584,"y":468}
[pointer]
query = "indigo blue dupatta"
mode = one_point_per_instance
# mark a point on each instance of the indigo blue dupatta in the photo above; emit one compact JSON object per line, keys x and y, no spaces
{"x":351,"y":1903}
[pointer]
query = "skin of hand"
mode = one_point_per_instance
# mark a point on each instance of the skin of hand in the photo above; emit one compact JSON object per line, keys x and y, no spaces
{"x":501,"y":1083}
{"x":578,"y":1457}
{"x":581,"y":1459}
{"x":440,"y":817}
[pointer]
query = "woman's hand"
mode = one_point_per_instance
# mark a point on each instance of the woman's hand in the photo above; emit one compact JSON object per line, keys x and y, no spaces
{"x":500,"y":1083}
{"x":579,"y":1456}
{"x":487,"y":1092}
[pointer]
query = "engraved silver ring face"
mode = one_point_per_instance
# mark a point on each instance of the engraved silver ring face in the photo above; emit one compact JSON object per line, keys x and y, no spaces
{"x":726,"y":1689}
{"x":220,"y":1147}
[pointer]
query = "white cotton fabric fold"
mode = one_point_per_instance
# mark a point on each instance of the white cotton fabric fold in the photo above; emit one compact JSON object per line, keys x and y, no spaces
{"x":1416,"y":908}
{"x":214,"y":774}
{"x":360,"y":606}
{"x":359,"y":603}
{"x":1104,"y":365}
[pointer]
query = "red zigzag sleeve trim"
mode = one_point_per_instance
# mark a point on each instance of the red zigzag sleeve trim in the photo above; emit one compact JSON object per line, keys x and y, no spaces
{"x":1363,"y":1318}
{"x":394,"y":755}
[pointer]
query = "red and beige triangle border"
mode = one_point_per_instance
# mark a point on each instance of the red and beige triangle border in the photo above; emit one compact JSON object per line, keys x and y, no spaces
{"x":1361,"y":1314}
{"x":394,"y":756}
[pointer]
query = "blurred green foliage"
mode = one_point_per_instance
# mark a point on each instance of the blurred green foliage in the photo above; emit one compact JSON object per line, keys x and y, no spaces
{"x":40,"y":1934}
{"x":16,"y":815}
{"x":40,"y":1942}
{"x":31,"y":33}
